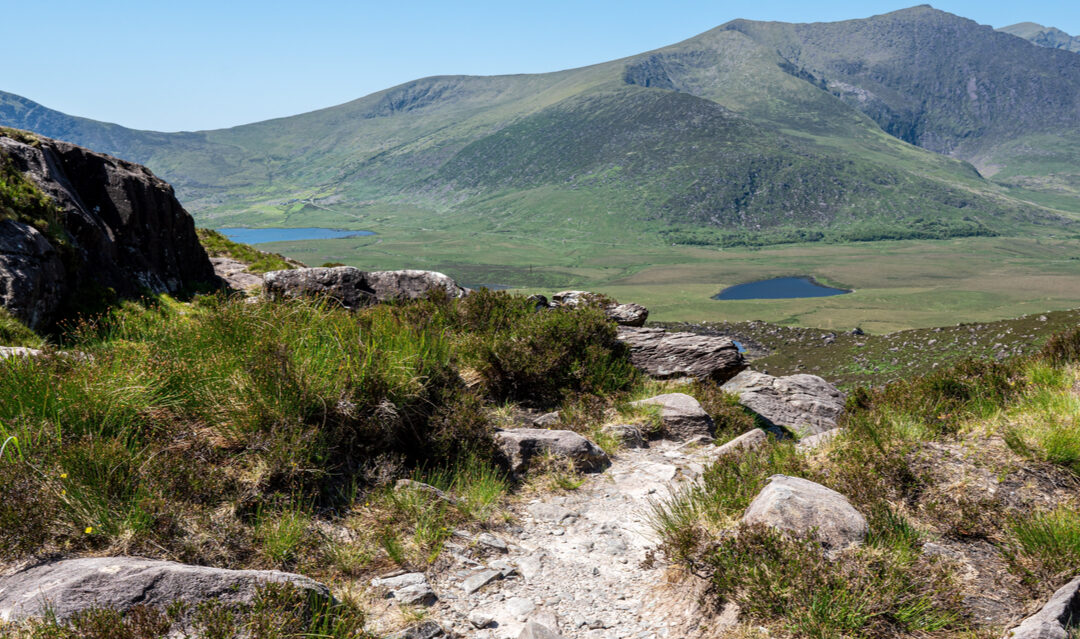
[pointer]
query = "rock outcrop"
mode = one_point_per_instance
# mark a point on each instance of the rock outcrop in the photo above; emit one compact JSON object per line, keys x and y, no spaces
{"x":1060,"y":615}
{"x":353,"y":288}
{"x":802,"y":507}
{"x":621,"y":314}
{"x":119,"y":583}
{"x":682,"y":416}
{"x":804,"y":404}
{"x":521,"y":445}
{"x":235,"y":274}
{"x":662,"y":354}
{"x":748,"y":441}
{"x":119,"y":228}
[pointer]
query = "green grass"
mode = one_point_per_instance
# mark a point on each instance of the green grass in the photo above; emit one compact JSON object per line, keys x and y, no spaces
{"x":15,"y":333}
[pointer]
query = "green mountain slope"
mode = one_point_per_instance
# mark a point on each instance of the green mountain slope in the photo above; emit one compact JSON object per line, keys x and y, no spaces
{"x":1049,"y":37}
{"x":764,"y":129}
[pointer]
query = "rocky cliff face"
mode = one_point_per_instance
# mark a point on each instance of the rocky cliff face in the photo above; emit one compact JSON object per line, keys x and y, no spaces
{"x":117,"y":227}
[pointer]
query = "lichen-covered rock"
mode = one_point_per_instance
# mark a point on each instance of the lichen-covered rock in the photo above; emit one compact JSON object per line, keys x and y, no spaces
{"x":802,"y":507}
{"x":1055,"y":620}
{"x":122,"y":229}
{"x":663,"y":355}
{"x":353,"y":288}
{"x":19,"y":351}
{"x":681,"y":415}
{"x":63,"y":588}
{"x":346,"y":285}
{"x":805,"y":404}
{"x":521,"y":445}
{"x":627,"y":314}
{"x":411,"y":285}
{"x":235,"y":274}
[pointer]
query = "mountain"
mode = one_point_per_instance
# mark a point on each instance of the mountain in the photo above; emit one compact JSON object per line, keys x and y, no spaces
{"x":1049,"y":37}
{"x":882,"y":127}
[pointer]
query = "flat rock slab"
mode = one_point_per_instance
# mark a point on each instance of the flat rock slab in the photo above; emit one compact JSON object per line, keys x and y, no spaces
{"x":682,"y":416}
{"x":353,"y":288}
{"x":748,"y":441}
{"x":1057,"y":617}
{"x":235,"y":273}
{"x":802,"y":507}
{"x":119,"y":583}
{"x":804,"y":404}
{"x":521,"y":445}
{"x":662,"y":354}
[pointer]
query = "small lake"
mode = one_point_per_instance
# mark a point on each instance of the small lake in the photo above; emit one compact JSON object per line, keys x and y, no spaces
{"x":777,"y":289}
{"x":262,"y":236}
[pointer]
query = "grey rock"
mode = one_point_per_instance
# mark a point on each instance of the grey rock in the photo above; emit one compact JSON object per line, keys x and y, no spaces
{"x":491,"y":541}
{"x":751,"y":440}
{"x":19,"y":351}
{"x":662,"y":354}
{"x":627,"y":314}
{"x":521,"y":445}
{"x":400,"y":581}
{"x":682,"y":416}
{"x":1055,"y":619}
{"x":572,"y":299}
{"x":479,"y":580}
{"x":424,"y":630}
{"x":505,"y":568}
{"x":480,"y":620}
{"x":627,"y":434}
{"x":33,"y":281}
{"x":805,"y":404}
{"x":547,"y":420}
{"x":802,"y":507}
{"x":411,"y":285}
{"x":814,"y":442}
{"x":119,"y":583}
{"x":416,"y":595}
{"x":345,"y":285}
{"x":124,"y":228}
{"x":540,"y":301}
{"x":535,"y":630}
{"x":427,"y":489}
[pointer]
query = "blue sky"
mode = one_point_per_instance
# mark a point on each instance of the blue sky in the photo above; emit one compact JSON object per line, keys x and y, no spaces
{"x":198,"y":64}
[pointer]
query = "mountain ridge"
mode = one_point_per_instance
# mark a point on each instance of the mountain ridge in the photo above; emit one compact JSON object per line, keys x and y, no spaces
{"x":829,"y":115}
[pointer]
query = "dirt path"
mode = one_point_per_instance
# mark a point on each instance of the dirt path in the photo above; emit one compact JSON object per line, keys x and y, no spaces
{"x":581,"y":556}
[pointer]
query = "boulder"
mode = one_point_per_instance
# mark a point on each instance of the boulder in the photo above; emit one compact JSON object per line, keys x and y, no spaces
{"x":627,"y":314}
{"x":346,"y":285}
{"x":119,"y":583}
{"x":751,"y":440}
{"x":1058,"y":619}
{"x":804,"y":404}
{"x":353,"y":288}
{"x":411,"y":285}
{"x":802,"y":507}
{"x":662,"y":354}
{"x":122,"y":229}
{"x":547,"y":420}
{"x":627,"y":434}
{"x":520,"y":445}
{"x":682,"y":416}
{"x":573,"y":299}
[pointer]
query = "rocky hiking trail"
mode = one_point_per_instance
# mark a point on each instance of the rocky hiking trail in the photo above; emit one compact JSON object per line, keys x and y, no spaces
{"x":577,"y":562}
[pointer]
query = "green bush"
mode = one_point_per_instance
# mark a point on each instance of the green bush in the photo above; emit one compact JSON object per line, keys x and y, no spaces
{"x":1063,"y":348}
{"x":730,"y":417}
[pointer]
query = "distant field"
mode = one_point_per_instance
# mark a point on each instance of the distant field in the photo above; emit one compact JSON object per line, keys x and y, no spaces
{"x":898,"y":285}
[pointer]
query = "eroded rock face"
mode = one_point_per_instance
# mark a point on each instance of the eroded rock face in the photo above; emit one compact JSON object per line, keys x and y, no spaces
{"x":125,"y":228}
{"x":1060,"y":615}
{"x":627,"y":314}
{"x":621,"y":314}
{"x":804,"y":404}
{"x":119,"y":583}
{"x":521,"y":445}
{"x":802,"y":507}
{"x":662,"y":354}
{"x":353,"y":288}
{"x":682,"y":416}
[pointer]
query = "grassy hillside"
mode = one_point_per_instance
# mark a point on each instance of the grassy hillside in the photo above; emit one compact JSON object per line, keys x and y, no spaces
{"x":754,"y":128}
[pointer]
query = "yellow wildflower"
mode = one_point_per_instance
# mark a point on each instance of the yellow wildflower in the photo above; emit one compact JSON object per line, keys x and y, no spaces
{"x":89,"y":530}
{"x":63,"y":475}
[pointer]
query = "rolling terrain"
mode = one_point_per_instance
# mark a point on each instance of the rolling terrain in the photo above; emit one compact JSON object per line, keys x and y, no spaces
{"x":917,"y":125}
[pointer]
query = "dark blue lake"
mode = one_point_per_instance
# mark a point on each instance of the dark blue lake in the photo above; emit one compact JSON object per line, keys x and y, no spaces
{"x":262,"y":236}
{"x":777,"y":289}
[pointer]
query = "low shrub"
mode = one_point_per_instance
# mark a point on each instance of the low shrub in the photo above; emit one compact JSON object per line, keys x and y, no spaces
{"x":1063,"y":347}
{"x":730,"y":417}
